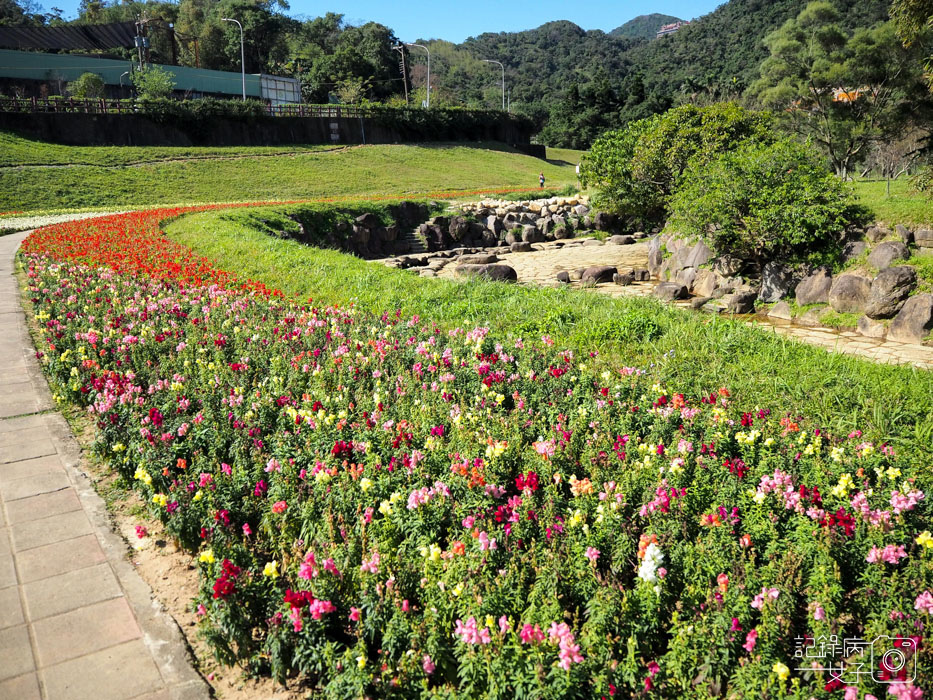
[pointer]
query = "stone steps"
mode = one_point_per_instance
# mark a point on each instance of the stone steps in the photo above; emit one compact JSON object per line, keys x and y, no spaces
{"x":416,"y":245}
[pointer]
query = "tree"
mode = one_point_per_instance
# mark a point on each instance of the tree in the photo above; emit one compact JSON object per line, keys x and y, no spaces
{"x":153,"y":83}
{"x":842,"y":91}
{"x":88,"y":85}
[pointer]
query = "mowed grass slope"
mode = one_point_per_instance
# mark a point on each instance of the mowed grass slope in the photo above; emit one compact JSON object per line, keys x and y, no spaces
{"x":904,"y":206}
{"x":255,"y":176}
{"x":694,"y":352}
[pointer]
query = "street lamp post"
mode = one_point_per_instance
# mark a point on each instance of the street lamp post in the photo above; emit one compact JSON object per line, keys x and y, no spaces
{"x":429,"y":71}
{"x":242,"y":54}
{"x":487,"y":60}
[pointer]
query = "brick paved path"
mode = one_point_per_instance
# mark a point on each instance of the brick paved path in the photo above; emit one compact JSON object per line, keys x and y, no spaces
{"x":76,"y":621}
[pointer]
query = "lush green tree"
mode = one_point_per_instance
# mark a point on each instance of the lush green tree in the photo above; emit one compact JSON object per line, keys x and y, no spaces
{"x":88,"y":85}
{"x":843,"y":91}
{"x":636,"y":170}
{"x":153,"y":82}
{"x":765,"y":201}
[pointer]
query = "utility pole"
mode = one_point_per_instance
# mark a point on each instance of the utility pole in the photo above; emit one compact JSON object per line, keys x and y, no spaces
{"x":488,"y":60}
{"x":401,"y":51}
{"x":429,"y":71}
{"x":242,"y":53}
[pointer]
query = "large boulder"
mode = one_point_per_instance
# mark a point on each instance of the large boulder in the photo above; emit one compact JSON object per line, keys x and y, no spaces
{"x":849,"y":294}
{"x":886,"y":253}
{"x":781,"y":311}
{"x":563,"y":277}
{"x":875,"y":234}
{"x":705,"y":283}
{"x":814,"y":289}
{"x":697,"y":256}
{"x":521,"y":247}
{"x":368,"y":220}
{"x":598,"y":273}
{"x":853,"y":249}
{"x":605,"y":221}
{"x":459,"y":228}
{"x":621,"y":240}
{"x":741,"y":303}
{"x":914,"y":321}
{"x":871,"y":328}
{"x":686,"y":277}
{"x":889,"y":291}
{"x":728,"y":265}
{"x":655,"y":256}
{"x":494,"y":224}
{"x":923,"y":238}
{"x":530,"y":234}
{"x":904,"y":233}
{"x":777,"y":279}
{"x":496,"y":273}
{"x":481,"y":259}
{"x":624,"y":279}
{"x":669,"y":291}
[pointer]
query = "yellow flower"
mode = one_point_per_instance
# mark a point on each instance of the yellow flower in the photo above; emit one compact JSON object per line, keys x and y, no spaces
{"x":841,"y":489}
{"x":160,"y":499}
{"x":925,"y":539}
{"x":366,"y":483}
{"x":781,"y":670}
{"x":143,"y":476}
{"x":361,"y":662}
{"x":892,"y":473}
{"x":385,"y":508}
{"x":836,"y":453}
{"x":271,"y":569}
{"x":207,"y":556}
{"x":457,"y":590}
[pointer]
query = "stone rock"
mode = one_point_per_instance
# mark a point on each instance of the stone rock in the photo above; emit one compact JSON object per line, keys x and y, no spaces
{"x":871,"y":328}
{"x":853,"y":249}
{"x":875,"y":234}
{"x":581,"y":210}
{"x":521,"y":247}
{"x":459,"y":227}
{"x":562,"y":233}
{"x":496,"y":273}
{"x":814,"y":289}
{"x":811,"y":317}
{"x":598,"y":273}
{"x":604,"y":221}
{"x":904,"y":233}
{"x":698,"y":255}
{"x":494,"y":224}
{"x":641,"y":274}
{"x":655,"y":256}
{"x":368,"y":220}
{"x":490,"y":239}
{"x":621,"y":240}
{"x":741,"y":303}
{"x":593,"y":242}
{"x":426,"y":272}
{"x":849,"y":294}
{"x":624,"y":279}
{"x":781,"y":311}
{"x":923,"y":238}
{"x":669,"y":291}
{"x":577,"y":275}
{"x":889,"y":291}
{"x":914,"y":321}
{"x":728,"y":265}
{"x":886,"y":253}
{"x":686,"y":277}
{"x":705,"y":283}
{"x":530,"y":234}
{"x":563,"y":276}
{"x":699,"y":302}
{"x":511,"y":238}
{"x":487,"y":259}
{"x":777,"y":279}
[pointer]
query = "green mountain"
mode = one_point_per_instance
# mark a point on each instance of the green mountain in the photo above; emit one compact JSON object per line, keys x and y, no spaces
{"x":643,"y":26}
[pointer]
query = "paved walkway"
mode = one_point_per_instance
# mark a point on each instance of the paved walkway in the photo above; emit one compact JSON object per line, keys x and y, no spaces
{"x":76,"y":621}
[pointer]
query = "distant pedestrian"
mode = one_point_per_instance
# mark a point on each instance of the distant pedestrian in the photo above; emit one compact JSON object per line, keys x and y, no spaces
{"x":541,"y":180}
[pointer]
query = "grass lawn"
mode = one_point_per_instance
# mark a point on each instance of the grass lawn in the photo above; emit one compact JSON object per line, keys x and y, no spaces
{"x":568,"y":155}
{"x":904,"y":206}
{"x":358,"y":170}
{"x":695,"y":352}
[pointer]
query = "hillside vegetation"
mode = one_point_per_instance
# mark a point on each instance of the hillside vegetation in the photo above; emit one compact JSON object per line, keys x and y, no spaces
{"x":644,"y":26}
{"x":254,"y":175}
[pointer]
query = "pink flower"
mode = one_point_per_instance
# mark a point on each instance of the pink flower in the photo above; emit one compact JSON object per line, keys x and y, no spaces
{"x":751,"y":639}
{"x":503,"y":624}
{"x":890,"y":554}
{"x":141,"y":532}
{"x":225,"y":468}
{"x":769,"y":593}
{"x":819,"y":613}
{"x":924,"y":603}
{"x":736,"y":626}
{"x":308,"y":568}
{"x":405,"y":605}
{"x":905,"y":691}
{"x":201,"y":609}
{"x":851,"y":693}
{"x":427,"y":665}
{"x":279,"y":507}
{"x":355,"y":614}
{"x":470,"y":634}
{"x":247,"y":531}
{"x":371,"y":566}
{"x":331,"y":567}
{"x":486,"y":543}
{"x":592,"y":554}
{"x":531,"y":635}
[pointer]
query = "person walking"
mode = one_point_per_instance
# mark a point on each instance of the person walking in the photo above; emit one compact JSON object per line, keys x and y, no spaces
{"x":541,"y":180}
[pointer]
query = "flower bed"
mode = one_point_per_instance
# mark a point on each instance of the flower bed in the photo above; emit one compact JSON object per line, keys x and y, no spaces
{"x":387,"y":510}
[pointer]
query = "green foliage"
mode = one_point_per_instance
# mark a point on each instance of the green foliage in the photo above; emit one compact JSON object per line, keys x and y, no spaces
{"x":87,"y":86}
{"x":845,"y":91}
{"x":765,"y":201}
{"x":644,"y":26}
{"x":153,"y":83}
{"x":636,"y":170}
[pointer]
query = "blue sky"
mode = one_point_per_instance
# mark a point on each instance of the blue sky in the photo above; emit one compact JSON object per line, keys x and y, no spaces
{"x":457,"y":20}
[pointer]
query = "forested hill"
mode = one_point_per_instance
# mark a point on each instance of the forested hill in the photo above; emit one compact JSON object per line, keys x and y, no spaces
{"x":643,"y":26}
{"x":577,"y":83}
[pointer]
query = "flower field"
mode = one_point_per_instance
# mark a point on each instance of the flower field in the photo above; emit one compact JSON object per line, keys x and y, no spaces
{"x":383,"y":509}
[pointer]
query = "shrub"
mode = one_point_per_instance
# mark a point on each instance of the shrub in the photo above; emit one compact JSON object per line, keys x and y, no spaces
{"x":154,"y":82}
{"x":765,"y":201}
{"x":635,"y":170}
{"x":88,"y":85}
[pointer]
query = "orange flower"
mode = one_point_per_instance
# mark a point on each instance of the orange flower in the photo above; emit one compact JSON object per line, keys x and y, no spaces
{"x":723,"y":582}
{"x":181,"y":463}
{"x":745,"y":540}
{"x":458,"y":548}
{"x":643,"y":543}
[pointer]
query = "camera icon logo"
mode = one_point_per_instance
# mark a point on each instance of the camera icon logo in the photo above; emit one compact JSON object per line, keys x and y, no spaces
{"x":893,"y":659}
